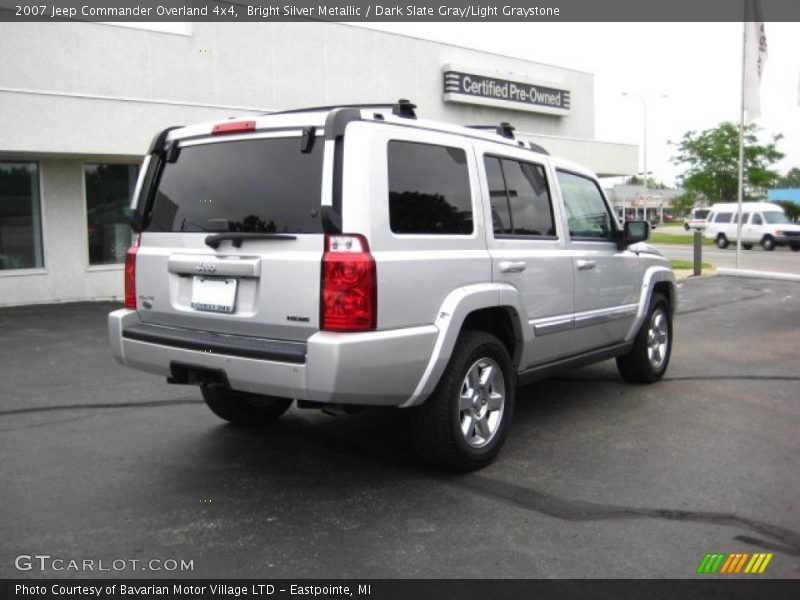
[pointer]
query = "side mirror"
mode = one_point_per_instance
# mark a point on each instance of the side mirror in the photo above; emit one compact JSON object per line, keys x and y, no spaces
{"x":633,"y":232}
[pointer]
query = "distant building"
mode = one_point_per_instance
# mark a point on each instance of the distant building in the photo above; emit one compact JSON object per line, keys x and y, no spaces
{"x":787,"y":194}
{"x":632,"y":201}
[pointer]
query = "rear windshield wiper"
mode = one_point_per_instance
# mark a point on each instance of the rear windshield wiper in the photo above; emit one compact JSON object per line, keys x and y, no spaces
{"x":237,"y":237}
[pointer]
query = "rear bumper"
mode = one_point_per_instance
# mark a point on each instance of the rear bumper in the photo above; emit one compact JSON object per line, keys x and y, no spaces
{"x":376,"y":368}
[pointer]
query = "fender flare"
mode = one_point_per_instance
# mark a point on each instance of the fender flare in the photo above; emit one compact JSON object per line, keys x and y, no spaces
{"x":652,"y":276}
{"x":451,"y":316}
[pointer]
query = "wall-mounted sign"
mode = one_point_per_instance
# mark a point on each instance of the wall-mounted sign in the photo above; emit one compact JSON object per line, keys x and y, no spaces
{"x":488,"y":90}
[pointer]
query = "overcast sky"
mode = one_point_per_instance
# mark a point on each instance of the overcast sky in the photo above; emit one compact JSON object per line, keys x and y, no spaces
{"x":697,"y":65}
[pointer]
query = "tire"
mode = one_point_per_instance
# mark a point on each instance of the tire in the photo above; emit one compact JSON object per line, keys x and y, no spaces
{"x":795,"y":247}
{"x":747,"y":246}
{"x":686,"y":226}
{"x":444,"y":430}
{"x":768,"y":243}
{"x":652,"y":347}
{"x":240,"y":408}
{"x":722,"y":241}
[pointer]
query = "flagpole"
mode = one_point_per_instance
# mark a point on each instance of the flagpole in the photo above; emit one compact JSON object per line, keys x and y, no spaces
{"x":741,"y":148}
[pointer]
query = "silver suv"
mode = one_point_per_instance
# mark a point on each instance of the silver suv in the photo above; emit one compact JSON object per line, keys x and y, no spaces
{"x":344,"y":257}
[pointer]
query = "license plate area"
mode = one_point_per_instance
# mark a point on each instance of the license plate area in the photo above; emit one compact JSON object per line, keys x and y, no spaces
{"x":214,"y":294}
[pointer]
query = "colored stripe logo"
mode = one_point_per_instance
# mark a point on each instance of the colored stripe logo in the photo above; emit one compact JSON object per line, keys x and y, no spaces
{"x":735,"y":563}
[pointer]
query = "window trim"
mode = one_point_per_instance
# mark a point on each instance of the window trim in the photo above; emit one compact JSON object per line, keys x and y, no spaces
{"x":42,"y":270}
{"x":432,"y":235}
{"x":615,"y":226}
{"x":518,"y":236}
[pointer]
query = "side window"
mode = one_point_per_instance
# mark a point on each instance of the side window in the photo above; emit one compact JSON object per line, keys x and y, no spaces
{"x":522,"y":188}
{"x":429,"y":189}
{"x":757,"y":220}
{"x":745,"y":218}
{"x":723,"y":218}
{"x":587,"y":212}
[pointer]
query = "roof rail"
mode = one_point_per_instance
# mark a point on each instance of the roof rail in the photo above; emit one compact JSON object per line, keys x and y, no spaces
{"x":401,"y":108}
{"x":505,"y":129}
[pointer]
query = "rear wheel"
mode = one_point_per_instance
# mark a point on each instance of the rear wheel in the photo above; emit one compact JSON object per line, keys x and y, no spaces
{"x":241,"y":408}
{"x":722,"y":241}
{"x":686,"y":226}
{"x":768,"y":243}
{"x":652,"y":347}
{"x":465,"y":422}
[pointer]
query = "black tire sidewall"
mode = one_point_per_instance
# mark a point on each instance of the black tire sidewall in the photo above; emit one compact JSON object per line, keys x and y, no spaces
{"x":768,"y":243}
{"x":494,"y":350}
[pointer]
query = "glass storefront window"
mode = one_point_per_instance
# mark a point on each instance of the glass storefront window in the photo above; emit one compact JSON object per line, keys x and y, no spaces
{"x":20,"y":216}
{"x":109,"y":189}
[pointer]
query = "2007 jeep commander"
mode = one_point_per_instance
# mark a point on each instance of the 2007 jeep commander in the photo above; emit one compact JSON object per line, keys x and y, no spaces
{"x":358,"y":256}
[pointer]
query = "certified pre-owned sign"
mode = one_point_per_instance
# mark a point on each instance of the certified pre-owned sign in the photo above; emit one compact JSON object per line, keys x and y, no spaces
{"x":487,"y":90}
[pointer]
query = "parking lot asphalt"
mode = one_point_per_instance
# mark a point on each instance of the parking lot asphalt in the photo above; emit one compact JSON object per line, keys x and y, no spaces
{"x":599,"y":478}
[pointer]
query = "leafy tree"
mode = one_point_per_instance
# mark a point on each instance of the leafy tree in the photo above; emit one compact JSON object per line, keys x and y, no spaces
{"x":712,"y":161}
{"x":792,"y":209}
{"x":791,"y":179}
{"x":652,"y":184}
{"x":682,"y":204}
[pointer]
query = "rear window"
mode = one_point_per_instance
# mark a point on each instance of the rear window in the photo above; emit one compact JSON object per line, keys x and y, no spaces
{"x":429,"y":189}
{"x":260,"y":185}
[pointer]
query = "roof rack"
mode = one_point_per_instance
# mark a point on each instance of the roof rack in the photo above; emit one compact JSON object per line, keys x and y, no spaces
{"x":402,"y":108}
{"x":505,"y":129}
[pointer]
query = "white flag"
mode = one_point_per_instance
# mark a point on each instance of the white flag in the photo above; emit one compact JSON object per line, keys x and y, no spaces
{"x":755,"y":57}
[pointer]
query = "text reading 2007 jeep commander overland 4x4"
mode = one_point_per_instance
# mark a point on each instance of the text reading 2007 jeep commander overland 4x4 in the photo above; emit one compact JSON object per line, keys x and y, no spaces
{"x":357,"y":256}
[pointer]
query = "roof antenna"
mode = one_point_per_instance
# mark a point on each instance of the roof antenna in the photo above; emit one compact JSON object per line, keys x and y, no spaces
{"x":405,"y":109}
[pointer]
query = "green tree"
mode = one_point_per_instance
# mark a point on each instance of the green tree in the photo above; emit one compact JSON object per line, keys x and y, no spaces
{"x":791,"y":179}
{"x":792,"y":209}
{"x":681,"y":205}
{"x":652,"y":184}
{"x":711,"y":159}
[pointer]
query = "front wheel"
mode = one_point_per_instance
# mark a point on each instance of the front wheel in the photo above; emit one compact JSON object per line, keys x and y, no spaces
{"x":686,"y":226}
{"x":722,"y":242}
{"x":652,"y":347}
{"x":768,"y":243}
{"x":464,"y":423}
{"x":241,"y":408}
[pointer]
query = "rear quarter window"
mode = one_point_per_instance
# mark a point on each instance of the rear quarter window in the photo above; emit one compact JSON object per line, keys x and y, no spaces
{"x":429,"y":190}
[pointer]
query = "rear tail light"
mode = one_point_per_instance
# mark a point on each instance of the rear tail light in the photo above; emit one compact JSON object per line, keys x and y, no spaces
{"x":349,"y":290}
{"x":130,"y":272}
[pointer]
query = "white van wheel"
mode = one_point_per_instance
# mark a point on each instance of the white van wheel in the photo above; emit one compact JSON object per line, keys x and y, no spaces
{"x":722,"y":241}
{"x":768,"y":243}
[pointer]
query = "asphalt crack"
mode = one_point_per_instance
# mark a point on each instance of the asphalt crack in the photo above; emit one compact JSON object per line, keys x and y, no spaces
{"x":581,"y":510}
{"x":98,"y":405}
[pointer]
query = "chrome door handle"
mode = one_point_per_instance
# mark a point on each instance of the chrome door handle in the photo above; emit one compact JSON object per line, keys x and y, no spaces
{"x":585,"y":265}
{"x":512,"y":266}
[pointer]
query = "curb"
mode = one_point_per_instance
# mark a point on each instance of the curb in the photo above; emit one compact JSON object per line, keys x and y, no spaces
{"x":759,"y":274}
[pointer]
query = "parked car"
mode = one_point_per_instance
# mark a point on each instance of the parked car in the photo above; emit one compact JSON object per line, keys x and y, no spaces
{"x":358,"y":256}
{"x":763,"y":223}
{"x":696,"y":219}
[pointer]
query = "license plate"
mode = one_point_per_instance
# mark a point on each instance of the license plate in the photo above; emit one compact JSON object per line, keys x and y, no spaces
{"x":214,"y":294}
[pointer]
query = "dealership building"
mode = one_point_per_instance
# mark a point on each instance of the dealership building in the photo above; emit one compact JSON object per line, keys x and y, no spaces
{"x":80,"y":103}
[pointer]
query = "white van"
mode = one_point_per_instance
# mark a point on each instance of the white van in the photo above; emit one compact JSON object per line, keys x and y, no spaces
{"x":696,"y":219}
{"x":763,"y":223}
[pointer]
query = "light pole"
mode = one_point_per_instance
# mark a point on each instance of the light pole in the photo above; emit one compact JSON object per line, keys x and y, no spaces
{"x":644,"y":100}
